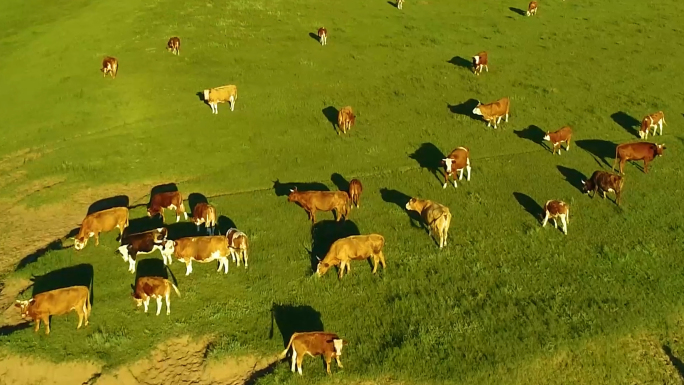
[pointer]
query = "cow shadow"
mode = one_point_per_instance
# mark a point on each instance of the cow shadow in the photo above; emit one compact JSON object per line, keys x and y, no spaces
{"x":9,"y":329}
{"x":78,"y":275}
{"x":330,"y":112}
{"x":224,"y":224}
{"x":324,"y":234}
{"x":400,"y":199}
{"x":340,"y":182}
{"x":518,"y":11}
{"x":466,"y":108}
{"x":182,"y":229}
{"x":534,"y":134}
{"x":459,"y":61}
{"x":57,"y":244}
{"x":600,"y":149}
{"x":142,"y":224}
{"x":151,"y":267}
{"x":572,"y":176}
{"x":529,"y":204}
{"x":314,"y":36}
{"x":109,"y":203}
{"x":283,"y":189}
{"x":676,"y":362}
{"x":162,"y":188}
{"x":628,"y":123}
{"x":430,"y":157}
{"x":194,"y":199}
{"x":291,"y":319}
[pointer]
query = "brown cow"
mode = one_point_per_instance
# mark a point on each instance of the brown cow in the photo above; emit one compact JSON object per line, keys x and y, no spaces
{"x":532,"y":8}
{"x":56,"y":302}
{"x":109,"y":66}
{"x":493,"y":112}
{"x":645,"y":151}
{"x":172,"y":200}
{"x":655,"y":120}
{"x":480,"y":62}
{"x":174,"y":45}
{"x":312,"y":201}
{"x":557,"y":209}
{"x":436,"y":217}
{"x":329,"y":345}
{"x":153,"y":287}
{"x":237,"y":245}
{"x":558,"y":137}
{"x":604,"y":182}
{"x":457,"y":160}
{"x":199,"y":249}
{"x":345,"y":119}
{"x":353,"y":248}
{"x":355,"y":190}
{"x":142,"y":243}
{"x":100,"y":222}
{"x":323,"y":36}
{"x":204,"y":213}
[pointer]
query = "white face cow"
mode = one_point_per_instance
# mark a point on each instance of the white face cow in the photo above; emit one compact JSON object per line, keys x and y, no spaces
{"x":477,"y":111}
{"x":23,"y":307}
{"x":448,"y":162}
{"x":547,"y":137}
{"x":338,"y":343}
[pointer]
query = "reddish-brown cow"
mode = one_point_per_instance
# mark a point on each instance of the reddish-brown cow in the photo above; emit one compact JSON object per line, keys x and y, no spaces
{"x":172,"y":200}
{"x":153,"y":287}
{"x":604,"y":182}
{"x":557,"y":209}
{"x":480,"y":62}
{"x":645,"y":151}
{"x":558,"y":137}
{"x":457,"y":160}
{"x":204,"y":213}
{"x":174,"y":45}
{"x":311,"y":201}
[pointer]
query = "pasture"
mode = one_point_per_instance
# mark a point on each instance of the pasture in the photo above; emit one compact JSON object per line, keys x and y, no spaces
{"x":506,"y":301}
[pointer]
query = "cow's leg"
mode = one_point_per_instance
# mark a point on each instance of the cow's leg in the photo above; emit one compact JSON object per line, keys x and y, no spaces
{"x":146,"y":303}
{"x":220,"y":265}
{"x":555,"y":222}
{"x":294,"y":359}
{"x":339,"y":364}
{"x":168,"y":303}
{"x":79,"y":311}
{"x":469,"y":168}
{"x":546,"y":219}
{"x":661,"y":127}
{"x":375,"y":263}
{"x":97,"y":238}
{"x":446,"y":179}
{"x":327,"y":363}
{"x":460,"y":177}
{"x":188,"y":267}
{"x":565,"y":224}
{"x":381,"y":256}
{"x":225,"y":265}
{"x":567,"y":145}
{"x":646,"y":166}
{"x":35,"y":329}
{"x":299,"y":364}
{"x":486,"y":67}
{"x":244,"y":257}
{"x":46,"y":321}
{"x":159,"y":304}
{"x":341,"y":273}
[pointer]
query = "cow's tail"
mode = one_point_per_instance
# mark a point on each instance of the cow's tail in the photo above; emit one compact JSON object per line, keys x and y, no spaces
{"x":175,"y":288}
{"x":115,"y":68}
{"x":447,"y":223}
{"x":87,"y":303}
{"x":616,"y":158}
{"x":284,"y":353}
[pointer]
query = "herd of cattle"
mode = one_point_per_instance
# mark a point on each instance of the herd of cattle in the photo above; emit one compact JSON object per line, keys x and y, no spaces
{"x":211,"y":247}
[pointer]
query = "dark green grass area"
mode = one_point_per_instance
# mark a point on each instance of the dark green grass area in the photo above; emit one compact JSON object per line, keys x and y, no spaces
{"x":504,"y":293}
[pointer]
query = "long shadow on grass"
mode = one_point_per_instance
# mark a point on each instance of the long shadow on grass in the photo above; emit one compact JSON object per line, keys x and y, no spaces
{"x":400,"y":199}
{"x":324,"y":234}
{"x":142,"y":224}
{"x":55,"y":245}
{"x":194,"y":199}
{"x":466,"y":108}
{"x":518,"y":11}
{"x":600,"y":149}
{"x":162,"y":188}
{"x":182,"y":230}
{"x":340,"y":182}
{"x":314,"y":36}
{"x":78,"y":275}
{"x":534,"y":134}
{"x":109,"y":203}
{"x":291,"y":319}
{"x":330,"y":113}
{"x":572,"y":176}
{"x":676,"y":362}
{"x":430,"y":157}
{"x":224,"y":224}
{"x":630,"y":124}
{"x":9,"y":329}
{"x":283,"y":189}
{"x":459,"y":61}
{"x":529,"y":204}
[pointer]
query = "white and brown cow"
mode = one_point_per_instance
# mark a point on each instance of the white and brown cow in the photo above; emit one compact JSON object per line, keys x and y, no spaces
{"x":100,"y":222}
{"x":604,"y":182}
{"x":558,"y":137}
{"x":153,"y":287}
{"x":655,"y":120}
{"x":172,"y":200}
{"x":200,"y":249}
{"x":457,"y":160}
{"x":532,"y":8}
{"x":56,"y":302}
{"x":323,"y":36}
{"x":109,"y":66}
{"x":204,"y":213}
{"x":436,"y":217}
{"x":557,"y":209}
{"x":327,"y":344}
{"x":480,"y":62}
{"x":142,"y":243}
{"x":494,"y":112}
{"x":237,"y":245}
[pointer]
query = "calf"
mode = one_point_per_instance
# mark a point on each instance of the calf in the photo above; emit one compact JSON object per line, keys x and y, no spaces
{"x":204,"y":213}
{"x":223,"y":94}
{"x":400,"y":3}
{"x":493,"y":112}
{"x":604,"y":182}
{"x":558,"y":137}
{"x":329,"y":345}
{"x":142,"y":243}
{"x":532,"y":8}
{"x":435,"y":216}
{"x":199,"y":249}
{"x":323,"y":36}
{"x":237,"y":245}
{"x":153,"y":287}
{"x":353,"y":248}
{"x":480,"y":62}
{"x":645,"y":151}
{"x":56,"y":302}
{"x":311,"y":201}
{"x":345,"y":119}
{"x":355,"y":189}
{"x":655,"y":120}
{"x":556,"y":209}
{"x":174,"y":45}
{"x":110,"y":66}
{"x":172,"y":200}
{"x":457,"y":160}
{"x":100,"y":222}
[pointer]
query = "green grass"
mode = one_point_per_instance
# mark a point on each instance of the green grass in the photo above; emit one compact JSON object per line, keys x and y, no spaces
{"x":505,"y":295}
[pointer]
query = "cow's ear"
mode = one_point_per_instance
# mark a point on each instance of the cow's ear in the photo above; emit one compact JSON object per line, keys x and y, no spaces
{"x":326,"y":264}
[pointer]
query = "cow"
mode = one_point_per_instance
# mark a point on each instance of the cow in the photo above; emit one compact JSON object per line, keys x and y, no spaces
{"x":223,"y":94}
{"x":532,"y":8}
{"x":172,"y":200}
{"x":100,"y":222}
{"x":400,"y":4}
{"x":480,"y":62}
{"x":493,"y":112}
{"x":353,"y":248}
{"x":237,"y":245}
{"x":345,"y":119}
{"x":323,"y":36}
{"x":142,"y":243}
{"x":56,"y":302}
{"x":436,"y":217}
{"x":558,"y":137}
{"x":204,"y":213}
{"x":327,"y":344}
{"x":200,"y":249}
{"x":109,"y":66}
{"x":311,"y":201}
{"x":457,"y":160}
{"x":557,"y":209}
{"x":153,"y":287}
{"x":174,"y":45}
{"x":645,"y":151}
{"x":355,"y":190}
{"x":604,"y":182}
{"x":654,"y":120}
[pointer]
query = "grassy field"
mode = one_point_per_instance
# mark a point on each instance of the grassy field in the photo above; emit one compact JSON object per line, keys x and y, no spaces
{"x":506,"y":302}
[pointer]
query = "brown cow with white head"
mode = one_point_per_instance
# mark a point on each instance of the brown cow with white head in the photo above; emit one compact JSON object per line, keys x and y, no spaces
{"x":558,"y":137}
{"x":480,"y":62}
{"x":323,"y":36}
{"x":557,"y":209}
{"x":457,"y":160}
{"x":109,"y":66}
{"x":329,"y":345}
{"x":345,"y":119}
{"x":237,"y":245}
{"x":172,"y":200}
{"x":493,"y":112}
{"x":655,"y":120}
{"x":532,"y":8}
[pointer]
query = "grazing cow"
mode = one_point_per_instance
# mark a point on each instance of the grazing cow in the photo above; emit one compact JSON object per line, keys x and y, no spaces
{"x":355,"y":189}
{"x":142,"y":243}
{"x":327,"y":344}
{"x":223,"y":94}
{"x":645,"y":151}
{"x":345,"y":119}
{"x":172,"y":200}
{"x":400,"y":4}
{"x":558,"y":137}
{"x":457,"y":160}
{"x":353,"y":248}
{"x":604,"y":182}
{"x":532,"y":8}
{"x":237,"y":245}
{"x":101,"y":222}
{"x":311,"y":201}
{"x":436,"y":217}
{"x":493,"y":112}
{"x":204,"y":213}
{"x":655,"y":120}
{"x":556,"y":209}
{"x":174,"y":45}
{"x":323,"y":36}
{"x":110,"y":66}
{"x":153,"y":287}
{"x":199,"y":249}
{"x":56,"y":302}
{"x":480,"y":62}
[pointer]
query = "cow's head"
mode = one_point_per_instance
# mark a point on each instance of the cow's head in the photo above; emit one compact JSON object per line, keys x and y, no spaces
{"x":476,"y":60}
{"x":138,"y":301}
{"x":168,"y":248}
{"x":161,"y":235}
{"x":24,"y":307}
{"x":292,"y":196}
{"x":322,"y":267}
{"x":476,"y":110}
{"x":80,"y":242}
{"x":205,"y":93}
{"x":412,"y":204}
{"x":659,"y":149}
{"x":447,"y":162}
{"x":587,"y":186}
{"x":338,"y":343}
{"x":547,"y":136}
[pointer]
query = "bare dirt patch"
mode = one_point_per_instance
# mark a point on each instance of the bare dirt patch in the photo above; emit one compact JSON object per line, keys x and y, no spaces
{"x":9,"y":291}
